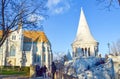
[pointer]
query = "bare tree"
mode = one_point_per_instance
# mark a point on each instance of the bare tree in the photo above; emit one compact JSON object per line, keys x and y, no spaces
{"x":115,"y":48}
{"x":16,"y":12}
{"x":108,"y":3}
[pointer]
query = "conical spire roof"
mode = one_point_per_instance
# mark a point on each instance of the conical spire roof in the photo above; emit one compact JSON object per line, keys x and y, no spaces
{"x":83,"y":32}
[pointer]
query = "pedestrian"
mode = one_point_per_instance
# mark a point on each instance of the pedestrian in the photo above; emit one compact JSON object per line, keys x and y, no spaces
{"x":41,"y":71}
{"x":44,"y":71}
{"x":53,"y":69}
{"x":37,"y":68}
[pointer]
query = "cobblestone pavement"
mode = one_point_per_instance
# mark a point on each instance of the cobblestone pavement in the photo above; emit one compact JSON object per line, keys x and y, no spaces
{"x":13,"y":77}
{"x":40,"y":78}
{"x":20,"y":77}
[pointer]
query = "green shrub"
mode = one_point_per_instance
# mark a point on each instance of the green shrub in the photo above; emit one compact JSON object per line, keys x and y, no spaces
{"x":10,"y":70}
{"x":26,"y":69}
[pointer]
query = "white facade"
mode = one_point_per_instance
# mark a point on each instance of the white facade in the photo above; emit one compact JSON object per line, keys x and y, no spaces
{"x":21,"y":49}
{"x":84,"y":43}
{"x":116,"y":61}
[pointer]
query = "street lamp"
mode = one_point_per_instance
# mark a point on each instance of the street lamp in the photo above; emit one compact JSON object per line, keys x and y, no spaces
{"x":109,"y":47}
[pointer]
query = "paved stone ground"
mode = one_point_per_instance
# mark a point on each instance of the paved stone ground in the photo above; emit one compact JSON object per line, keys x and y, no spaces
{"x":20,"y":77}
{"x":40,"y":78}
{"x":13,"y":77}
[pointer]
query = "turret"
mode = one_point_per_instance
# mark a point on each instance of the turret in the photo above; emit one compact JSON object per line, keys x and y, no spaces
{"x":84,"y":43}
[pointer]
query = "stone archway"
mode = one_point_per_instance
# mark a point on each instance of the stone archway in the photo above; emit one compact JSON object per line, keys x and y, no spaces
{"x":83,"y":51}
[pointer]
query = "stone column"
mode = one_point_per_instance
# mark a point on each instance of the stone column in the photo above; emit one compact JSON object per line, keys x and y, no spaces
{"x":87,"y":52}
{"x":83,"y":51}
{"x":47,"y":58}
{"x":51,"y":59}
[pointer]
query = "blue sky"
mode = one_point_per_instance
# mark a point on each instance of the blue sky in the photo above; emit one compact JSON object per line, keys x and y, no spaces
{"x":62,"y":24}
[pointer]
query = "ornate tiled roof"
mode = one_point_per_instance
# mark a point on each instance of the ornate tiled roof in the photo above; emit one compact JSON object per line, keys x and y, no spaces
{"x":36,"y":36}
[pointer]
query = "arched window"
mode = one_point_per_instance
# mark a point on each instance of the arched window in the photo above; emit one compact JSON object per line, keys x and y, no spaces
{"x":43,"y":49}
{"x":38,"y":58}
{"x":12,"y":50}
{"x":79,"y":51}
{"x":34,"y":57}
{"x":13,"y":37}
{"x":88,"y":51}
{"x":83,"y":51}
{"x":44,"y":57}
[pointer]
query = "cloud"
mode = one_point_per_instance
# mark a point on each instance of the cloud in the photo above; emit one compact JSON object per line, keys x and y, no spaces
{"x":35,"y":18}
{"x":58,"y":10}
{"x":52,"y":3}
{"x":58,"y":6}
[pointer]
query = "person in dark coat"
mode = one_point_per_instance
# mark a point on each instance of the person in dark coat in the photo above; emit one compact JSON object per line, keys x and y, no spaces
{"x":37,"y":68}
{"x":44,"y":71}
{"x":41,"y":71}
{"x":53,"y":69}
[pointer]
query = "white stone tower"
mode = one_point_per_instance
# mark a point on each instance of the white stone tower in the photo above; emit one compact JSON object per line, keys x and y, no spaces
{"x":17,"y":43}
{"x":84,"y":43}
